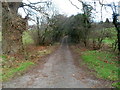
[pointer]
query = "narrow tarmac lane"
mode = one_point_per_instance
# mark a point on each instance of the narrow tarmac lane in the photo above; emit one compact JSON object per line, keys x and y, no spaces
{"x":58,"y":72}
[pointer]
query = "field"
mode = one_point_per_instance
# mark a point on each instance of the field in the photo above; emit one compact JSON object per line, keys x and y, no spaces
{"x":112,"y":38}
{"x":27,"y":38}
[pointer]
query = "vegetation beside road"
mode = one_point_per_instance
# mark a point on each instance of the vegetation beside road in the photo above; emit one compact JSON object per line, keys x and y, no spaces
{"x":103,"y":64}
{"x":26,"y":38}
{"x":23,"y":45}
{"x":18,"y":63}
{"x":103,"y":60}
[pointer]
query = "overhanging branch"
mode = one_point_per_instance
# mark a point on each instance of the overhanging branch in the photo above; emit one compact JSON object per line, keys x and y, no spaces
{"x":74,"y":4}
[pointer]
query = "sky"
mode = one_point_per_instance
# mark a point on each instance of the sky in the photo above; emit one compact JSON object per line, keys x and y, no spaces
{"x":66,"y":8}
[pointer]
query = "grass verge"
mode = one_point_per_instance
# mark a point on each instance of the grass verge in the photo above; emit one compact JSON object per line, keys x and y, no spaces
{"x":104,"y":63}
{"x":116,"y":84}
{"x":8,"y":73}
{"x":16,"y":65}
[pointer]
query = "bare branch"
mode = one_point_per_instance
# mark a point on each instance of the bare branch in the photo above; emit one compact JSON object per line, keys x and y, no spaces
{"x":74,"y":4}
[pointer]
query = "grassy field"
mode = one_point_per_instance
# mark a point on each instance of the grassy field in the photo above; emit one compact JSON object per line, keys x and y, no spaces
{"x":113,"y":37}
{"x":27,"y":38}
{"x":112,"y":33}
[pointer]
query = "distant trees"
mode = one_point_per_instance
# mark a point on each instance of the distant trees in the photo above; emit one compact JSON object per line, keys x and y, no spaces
{"x":78,"y":26}
{"x":98,"y":36}
{"x":87,"y":15}
{"x":50,"y":28}
{"x":74,"y":27}
{"x":86,"y":20}
{"x":57,"y":24}
{"x":49,"y":31}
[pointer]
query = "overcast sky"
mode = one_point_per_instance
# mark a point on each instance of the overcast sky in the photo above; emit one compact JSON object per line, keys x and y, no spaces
{"x":65,"y":7}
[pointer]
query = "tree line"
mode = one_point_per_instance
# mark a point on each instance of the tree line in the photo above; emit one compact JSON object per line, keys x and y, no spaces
{"x":51,"y":28}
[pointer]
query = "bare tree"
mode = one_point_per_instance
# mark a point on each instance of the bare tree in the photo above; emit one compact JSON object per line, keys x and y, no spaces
{"x":115,"y":20}
{"x":86,"y":19}
{"x":14,"y":25}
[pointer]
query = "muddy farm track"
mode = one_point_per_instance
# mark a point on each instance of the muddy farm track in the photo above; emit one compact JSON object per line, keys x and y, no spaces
{"x":59,"y":71}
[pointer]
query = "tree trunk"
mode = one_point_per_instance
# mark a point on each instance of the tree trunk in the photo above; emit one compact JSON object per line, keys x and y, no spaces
{"x":118,"y":36}
{"x":13,"y":26}
{"x":117,"y":26}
